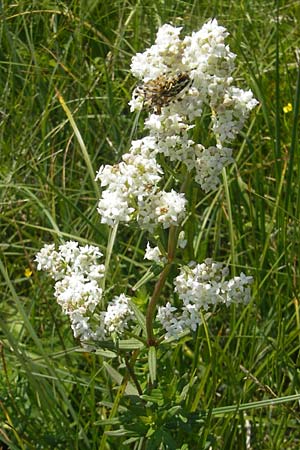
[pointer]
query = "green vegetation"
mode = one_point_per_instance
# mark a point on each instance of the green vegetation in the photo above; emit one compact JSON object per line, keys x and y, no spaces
{"x":240,"y":373}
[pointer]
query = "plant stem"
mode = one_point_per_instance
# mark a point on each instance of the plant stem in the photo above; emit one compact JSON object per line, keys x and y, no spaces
{"x":130,"y":368}
{"x":153,"y":302}
{"x":172,"y":243}
{"x":173,"y":236}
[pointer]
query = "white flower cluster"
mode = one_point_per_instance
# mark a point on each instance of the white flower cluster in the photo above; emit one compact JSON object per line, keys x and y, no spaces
{"x":71,"y":260}
{"x":118,"y":314}
{"x":132,"y":190}
{"x":77,"y":273}
{"x":208,"y":62}
{"x":199,"y":288}
{"x":203,"y":63}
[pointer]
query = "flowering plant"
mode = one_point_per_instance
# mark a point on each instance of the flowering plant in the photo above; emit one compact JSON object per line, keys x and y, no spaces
{"x":186,"y":87}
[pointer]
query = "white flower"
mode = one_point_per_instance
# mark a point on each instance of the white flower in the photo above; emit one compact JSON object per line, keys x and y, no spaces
{"x":96,"y":272}
{"x":154,"y":254}
{"x":181,"y":240}
{"x":77,"y":273}
{"x":136,"y":103}
{"x":129,"y":182}
{"x":80,"y":326}
{"x":169,"y":124}
{"x":168,"y":39}
{"x":69,"y":252}
{"x":238,"y":290}
{"x":113,"y":208}
{"x":74,"y":292}
{"x":209,"y":63}
{"x":83,"y":330}
{"x":170,"y":208}
{"x":117,"y":315}
{"x":166,"y":208}
{"x":205,"y":51}
{"x":231,"y":111}
{"x":209,"y":164}
{"x":148,"y":65}
{"x":166,"y":316}
{"x":200,"y":287}
{"x":48,"y":259}
{"x":161,"y":56}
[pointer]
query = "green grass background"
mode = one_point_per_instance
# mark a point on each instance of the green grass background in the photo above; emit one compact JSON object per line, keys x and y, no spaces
{"x":52,"y":396}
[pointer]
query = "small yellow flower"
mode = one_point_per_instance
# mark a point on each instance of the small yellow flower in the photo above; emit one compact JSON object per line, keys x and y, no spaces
{"x":287,"y":108}
{"x":27,"y":272}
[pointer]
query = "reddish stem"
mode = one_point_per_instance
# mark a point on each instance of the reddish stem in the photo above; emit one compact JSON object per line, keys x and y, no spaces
{"x":173,"y":236}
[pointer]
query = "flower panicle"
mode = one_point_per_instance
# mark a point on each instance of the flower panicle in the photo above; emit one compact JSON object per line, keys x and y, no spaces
{"x":199,"y":289}
{"x":180,"y":80}
{"x":77,"y":274}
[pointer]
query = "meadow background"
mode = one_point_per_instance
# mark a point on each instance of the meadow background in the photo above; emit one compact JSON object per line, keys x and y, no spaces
{"x":243,"y":370}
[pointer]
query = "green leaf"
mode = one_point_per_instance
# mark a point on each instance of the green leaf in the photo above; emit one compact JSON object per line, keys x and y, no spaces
{"x":105,"y":353}
{"x":172,"y":411}
{"x":119,"y":432}
{"x":145,"y":278}
{"x":113,"y":421}
{"x":118,"y":378}
{"x":167,"y":439}
{"x":152,"y":363}
{"x":155,"y":441}
{"x":260,"y":404}
{"x":139,"y":316}
{"x":156,"y":396}
{"x":130,"y":344}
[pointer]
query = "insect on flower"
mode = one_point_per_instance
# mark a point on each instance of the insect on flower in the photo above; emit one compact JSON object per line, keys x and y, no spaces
{"x":162,"y":91}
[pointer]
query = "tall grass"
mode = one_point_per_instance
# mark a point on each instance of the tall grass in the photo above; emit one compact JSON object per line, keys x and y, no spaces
{"x":65,"y":87}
